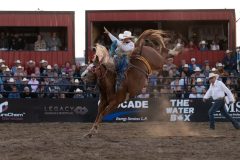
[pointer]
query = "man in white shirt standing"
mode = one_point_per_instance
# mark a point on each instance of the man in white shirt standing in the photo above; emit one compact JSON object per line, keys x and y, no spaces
{"x":217,"y":91}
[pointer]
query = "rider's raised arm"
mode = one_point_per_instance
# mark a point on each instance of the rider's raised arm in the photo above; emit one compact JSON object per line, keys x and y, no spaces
{"x":112,"y":37}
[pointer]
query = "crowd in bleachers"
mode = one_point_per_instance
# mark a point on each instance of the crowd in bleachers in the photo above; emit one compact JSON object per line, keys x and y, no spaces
{"x":43,"y":80}
{"x":40,"y":80}
{"x":190,"y":80}
{"x":174,"y":39}
{"x":44,"y":41}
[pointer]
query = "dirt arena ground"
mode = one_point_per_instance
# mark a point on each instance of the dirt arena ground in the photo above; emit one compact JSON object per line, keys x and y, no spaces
{"x":119,"y":141}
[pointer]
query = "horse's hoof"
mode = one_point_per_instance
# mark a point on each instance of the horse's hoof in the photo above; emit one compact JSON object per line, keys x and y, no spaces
{"x":88,"y":135}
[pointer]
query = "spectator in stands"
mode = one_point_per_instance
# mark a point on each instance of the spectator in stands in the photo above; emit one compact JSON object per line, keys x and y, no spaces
{"x":174,"y":72}
{"x":18,"y":81}
{"x":40,"y":44}
{"x":184,"y":83}
{"x":14,"y":92}
{"x":30,"y":67}
{"x":153,"y":79}
{"x":155,"y":93}
{"x":78,"y":93}
{"x":200,"y":95}
{"x":193,"y":93}
{"x":39,"y":77}
{"x":170,"y":64}
{"x":183,"y":62}
{"x":14,"y":67}
{"x":20,"y":69}
{"x":77,"y":72}
{"x":26,"y":93}
{"x":66,"y":68}
{"x":7,"y":87}
{"x":198,"y":74}
{"x":56,"y":69}
{"x":176,"y":87}
{"x":33,"y":83}
{"x":3,"y":42}
{"x":230,"y":85}
{"x":214,"y":46}
{"x":186,"y":70}
{"x":54,"y":42}
{"x":1,"y":63}
{"x":191,"y":46}
{"x":73,"y":87}
{"x":221,"y":71}
{"x":64,"y":83}
{"x":6,"y":74}
{"x":144,"y":93}
{"x":25,"y":84}
{"x":20,"y":44}
{"x":43,"y":67}
{"x":206,"y":68}
{"x":230,"y":62}
{"x":193,"y":65}
{"x":49,"y":72}
{"x":203,"y":46}
{"x":199,"y":86}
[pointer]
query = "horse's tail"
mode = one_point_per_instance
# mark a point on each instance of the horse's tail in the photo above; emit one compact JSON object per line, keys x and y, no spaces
{"x":152,"y":36}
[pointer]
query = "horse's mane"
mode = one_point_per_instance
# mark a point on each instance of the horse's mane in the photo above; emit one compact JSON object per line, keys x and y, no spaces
{"x":104,"y":57}
{"x":152,"y":38}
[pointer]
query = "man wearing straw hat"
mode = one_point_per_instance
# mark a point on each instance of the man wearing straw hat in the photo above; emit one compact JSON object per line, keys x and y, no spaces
{"x":217,"y":91}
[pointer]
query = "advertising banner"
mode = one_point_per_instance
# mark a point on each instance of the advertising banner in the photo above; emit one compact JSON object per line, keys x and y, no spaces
{"x":16,"y":111}
{"x":135,"y":110}
{"x":130,"y":111}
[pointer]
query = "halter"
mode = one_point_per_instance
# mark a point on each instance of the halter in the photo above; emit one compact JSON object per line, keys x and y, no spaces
{"x":102,"y":75}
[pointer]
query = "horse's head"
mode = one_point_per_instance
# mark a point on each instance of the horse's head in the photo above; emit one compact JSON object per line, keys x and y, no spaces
{"x":102,"y":54}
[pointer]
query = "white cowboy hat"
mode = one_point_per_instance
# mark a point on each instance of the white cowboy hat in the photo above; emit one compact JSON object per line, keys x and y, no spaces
{"x":2,"y":61}
{"x":197,"y":69}
{"x":212,"y":75}
{"x":11,"y":80}
{"x":78,"y":90}
{"x":3,"y":66}
{"x":125,"y":34}
{"x":203,"y":42}
{"x":7,"y":69}
{"x":19,"y":67}
{"x":30,"y":61}
{"x":228,"y":51}
{"x":214,"y":69}
{"x":199,"y":80}
{"x":185,"y":66}
{"x":193,"y":59}
{"x":219,"y":65}
{"x":49,"y":67}
{"x":18,"y":61}
{"x":43,"y":61}
{"x":76,"y":81}
{"x":24,"y":79}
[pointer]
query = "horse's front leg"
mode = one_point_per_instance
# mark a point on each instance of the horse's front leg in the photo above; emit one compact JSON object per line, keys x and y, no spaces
{"x":113,"y":104}
{"x":101,"y":106}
